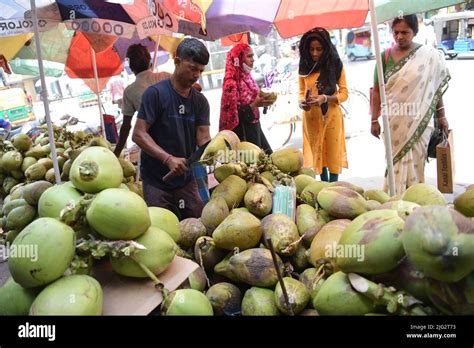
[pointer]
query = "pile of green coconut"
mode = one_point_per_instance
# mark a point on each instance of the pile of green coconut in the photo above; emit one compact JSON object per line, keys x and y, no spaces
{"x":344,"y":251}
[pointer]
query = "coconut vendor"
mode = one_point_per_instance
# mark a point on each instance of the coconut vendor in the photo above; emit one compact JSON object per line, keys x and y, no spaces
{"x":323,"y":88}
{"x":140,"y":63}
{"x":173,"y":120}
{"x":241,"y":98}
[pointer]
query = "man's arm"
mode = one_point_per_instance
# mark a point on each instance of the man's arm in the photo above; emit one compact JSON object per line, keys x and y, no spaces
{"x":146,"y":143}
{"x":202,"y":135}
{"x":123,"y":134}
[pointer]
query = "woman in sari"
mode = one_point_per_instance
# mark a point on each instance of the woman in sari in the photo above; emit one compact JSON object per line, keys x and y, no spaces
{"x":240,"y":98}
{"x":323,"y":88}
{"x":416,"y":77}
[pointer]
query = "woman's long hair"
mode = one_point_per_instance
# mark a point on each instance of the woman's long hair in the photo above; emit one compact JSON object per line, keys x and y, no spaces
{"x":329,"y":66}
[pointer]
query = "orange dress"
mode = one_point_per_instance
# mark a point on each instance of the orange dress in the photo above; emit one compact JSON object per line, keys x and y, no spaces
{"x":324,"y":143}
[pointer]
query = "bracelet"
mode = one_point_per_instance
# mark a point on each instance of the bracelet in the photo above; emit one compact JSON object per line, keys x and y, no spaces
{"x":325,"y":98}
{"x":167,"y":159}
{"x":375,"y":121}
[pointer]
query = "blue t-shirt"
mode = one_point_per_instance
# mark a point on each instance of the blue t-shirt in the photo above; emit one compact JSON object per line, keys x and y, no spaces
{"x":173,"y":121}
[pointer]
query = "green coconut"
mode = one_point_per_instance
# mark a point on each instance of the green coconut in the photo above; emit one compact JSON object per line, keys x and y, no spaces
{"x":307,"y":171}
{"x":96,"y":169}
{"x":54,"y":199}
{"x":46,"y":162}
{"x":403,"y":208}
{"x":255,"y":267}
{"x":372,"y":243}
{"x":22,"y":142}
{"x":12,"y":204}
{"x":17,"y":174}
{"x":50,"y":176}
{"x":118,"y":214}
{"x":337,"y":297}
{"x":282,"y":232}
{"x":301,"y":181}
{"x":288,"y":160}
{"x":14,"y":299}
{"x":9,"y":183}
{"x":465,"y":203}
{"x":232,"y":189}
{"x":37,"y":152}
{"x":71,"y":295}
{"x":309,"y":222}
{"x":342,"y":202}
{"x":377,"y":195}
{"x":12,"y":160}
{"x":349,"y":185}
{"x":424,"y":194}
{"x":207,"y":254}
{"x":323,"y":248}
{"x":240,"y":230}
{"x":196,"y":280}
{"x":440,"y":242}
{"x":35,"y":172}
{"x":190,"y":230}
{"x":166,"y":220}
{"x":298,"y":296}
{"x":186,"y":302}
{"x":214,"y":212}
{"x":51,"y":248}
{"x":311,"y":191}
{"x":258,"y":200}
{"x":259,"y":301}
{"x":158,"y":255}
{"x":248,"y":152}
{"x":225,"y":299}
{"x":27,"y":162}
{"x":20,"y":217}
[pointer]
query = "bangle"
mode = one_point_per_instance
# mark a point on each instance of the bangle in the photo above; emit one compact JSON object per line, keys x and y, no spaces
{"x":325,"y":98}
{"x":441,"y":118}
{"x":167,"y":159}
{"x":441,"y":108}
{"x":375,"y":121}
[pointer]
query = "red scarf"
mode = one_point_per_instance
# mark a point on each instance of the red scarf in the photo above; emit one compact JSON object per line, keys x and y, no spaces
{"x":239,"y":88}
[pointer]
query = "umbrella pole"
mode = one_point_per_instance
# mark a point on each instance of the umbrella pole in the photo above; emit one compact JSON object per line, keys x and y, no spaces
{"x":96,"y":76}
{"x":157,"y":45}
{"x":383,"y":100}
{"x":44,"y":93}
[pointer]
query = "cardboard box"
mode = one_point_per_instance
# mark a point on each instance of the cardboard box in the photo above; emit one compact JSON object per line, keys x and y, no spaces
{"x":135,"y":296}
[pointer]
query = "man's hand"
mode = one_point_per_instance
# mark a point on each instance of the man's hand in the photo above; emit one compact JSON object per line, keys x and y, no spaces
{"x":177,"y":165}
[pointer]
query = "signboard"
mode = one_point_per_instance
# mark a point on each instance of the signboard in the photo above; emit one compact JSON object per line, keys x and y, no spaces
{"x":16,"y":26}
{"x":160,"y":22}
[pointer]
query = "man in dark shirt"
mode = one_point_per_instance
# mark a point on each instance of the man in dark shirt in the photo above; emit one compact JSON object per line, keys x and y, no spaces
{"x":173,"y":120}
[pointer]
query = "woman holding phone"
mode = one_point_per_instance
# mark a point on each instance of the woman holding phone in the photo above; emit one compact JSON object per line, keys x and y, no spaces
{"x":322,"y":88}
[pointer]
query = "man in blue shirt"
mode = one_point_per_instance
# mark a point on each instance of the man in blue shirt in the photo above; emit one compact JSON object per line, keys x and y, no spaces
{"x":172,"y":122}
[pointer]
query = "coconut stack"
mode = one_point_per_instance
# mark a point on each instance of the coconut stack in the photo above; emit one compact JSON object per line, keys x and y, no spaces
{"x":348,"y":251}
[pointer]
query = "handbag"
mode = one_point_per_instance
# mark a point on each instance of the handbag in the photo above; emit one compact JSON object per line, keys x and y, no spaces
{"x":437,"y":137}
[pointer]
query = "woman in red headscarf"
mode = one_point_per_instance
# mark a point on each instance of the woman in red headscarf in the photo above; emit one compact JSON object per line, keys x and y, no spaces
{"x":240,"y":98}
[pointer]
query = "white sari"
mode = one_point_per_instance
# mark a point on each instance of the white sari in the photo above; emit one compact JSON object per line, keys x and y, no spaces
{"x":414,"y":87}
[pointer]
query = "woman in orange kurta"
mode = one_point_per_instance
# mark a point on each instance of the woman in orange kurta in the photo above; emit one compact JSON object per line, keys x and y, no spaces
{"x":323,"y":88}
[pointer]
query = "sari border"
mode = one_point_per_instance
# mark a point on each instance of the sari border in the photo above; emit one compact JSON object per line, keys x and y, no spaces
{"x":396,"y":68}
{"x":425,"y":121}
